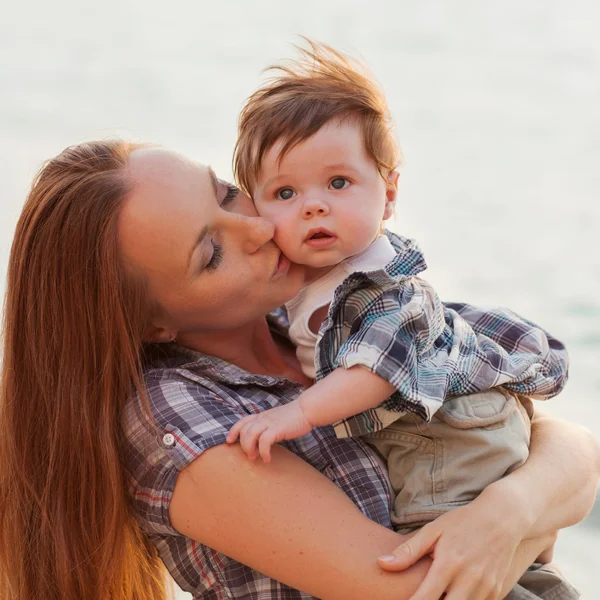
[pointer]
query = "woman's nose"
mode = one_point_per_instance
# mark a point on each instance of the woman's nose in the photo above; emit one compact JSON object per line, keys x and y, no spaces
{"x":257,"y":232}
{"x":314,"y":207}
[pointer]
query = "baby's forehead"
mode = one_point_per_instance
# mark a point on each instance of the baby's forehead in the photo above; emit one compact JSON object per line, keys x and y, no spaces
{"x":333,"y":146}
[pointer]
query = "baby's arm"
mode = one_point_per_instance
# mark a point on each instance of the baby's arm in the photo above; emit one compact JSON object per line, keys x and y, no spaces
{"x":342,"y":394}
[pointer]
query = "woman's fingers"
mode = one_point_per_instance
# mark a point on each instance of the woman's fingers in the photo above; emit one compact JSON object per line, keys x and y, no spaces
{"x":547,"y":555}
{"x":435,"y":583}
{"x":410,"y":551}
{"x":457,"y":582}
{"x":472,"y":586}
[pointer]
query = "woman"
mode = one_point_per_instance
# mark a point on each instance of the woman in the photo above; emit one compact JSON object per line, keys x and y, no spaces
{"x":118,"y":245}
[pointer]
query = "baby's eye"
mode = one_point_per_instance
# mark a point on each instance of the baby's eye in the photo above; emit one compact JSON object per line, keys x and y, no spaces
{"x":285,"y":194}
{"x":339,"y":183}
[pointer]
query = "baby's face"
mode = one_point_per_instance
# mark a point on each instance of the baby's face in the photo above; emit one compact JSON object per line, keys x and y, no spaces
{"x":326,"y":196}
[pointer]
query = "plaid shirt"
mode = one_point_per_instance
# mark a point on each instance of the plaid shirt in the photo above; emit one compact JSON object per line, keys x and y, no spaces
{"x":393,"y":323}
{"x":194,"y":401}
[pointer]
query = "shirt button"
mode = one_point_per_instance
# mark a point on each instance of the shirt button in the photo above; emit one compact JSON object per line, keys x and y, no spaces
{"x":169,"y":440}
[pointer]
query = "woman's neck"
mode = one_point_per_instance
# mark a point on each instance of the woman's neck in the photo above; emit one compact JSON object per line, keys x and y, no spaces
{"x":253,"y":348}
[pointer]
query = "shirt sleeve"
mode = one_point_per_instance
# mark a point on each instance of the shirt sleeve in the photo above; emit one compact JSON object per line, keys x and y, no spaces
{"x":389,"y":339}
{"x":528,"y":360}
{"x":430,"y":352}
{"x":185,"y":420}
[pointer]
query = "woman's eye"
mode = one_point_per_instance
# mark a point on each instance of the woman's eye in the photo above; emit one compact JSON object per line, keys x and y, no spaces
{"x":339,"y":183}
{"x":285,"y":193}
{"x":232,"y":192}
{"x":216,"y":258}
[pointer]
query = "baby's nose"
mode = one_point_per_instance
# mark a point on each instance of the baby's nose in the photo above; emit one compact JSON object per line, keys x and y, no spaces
{"x":315,"y":207}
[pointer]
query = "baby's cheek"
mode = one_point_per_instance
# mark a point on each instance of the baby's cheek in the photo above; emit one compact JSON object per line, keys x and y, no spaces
{"x":361,"y":233}
{"x":261,"y":209}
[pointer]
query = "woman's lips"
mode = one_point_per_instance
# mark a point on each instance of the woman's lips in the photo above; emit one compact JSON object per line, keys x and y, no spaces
{"x":283,"y":265}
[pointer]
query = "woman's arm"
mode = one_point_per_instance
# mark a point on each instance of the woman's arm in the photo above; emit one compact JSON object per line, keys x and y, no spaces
{"x":557,"y":485}
{"x":290,"y":522}
{"x":293,"y":524}
{"x":555,"y":488}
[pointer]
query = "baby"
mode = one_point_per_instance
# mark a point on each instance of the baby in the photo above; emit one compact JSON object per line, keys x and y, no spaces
{"x":439,"y":390}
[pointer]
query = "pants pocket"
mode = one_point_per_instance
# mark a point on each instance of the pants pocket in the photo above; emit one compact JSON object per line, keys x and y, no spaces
{"x":434,"y":467}
{"x":414,"y":469}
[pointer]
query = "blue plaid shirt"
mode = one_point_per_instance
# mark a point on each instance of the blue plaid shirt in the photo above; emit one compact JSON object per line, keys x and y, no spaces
{"x":393,"y":323}
{"x":194,"y":401}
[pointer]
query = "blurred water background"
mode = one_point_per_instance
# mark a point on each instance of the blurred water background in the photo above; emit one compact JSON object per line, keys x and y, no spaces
{"x":497,"y":109}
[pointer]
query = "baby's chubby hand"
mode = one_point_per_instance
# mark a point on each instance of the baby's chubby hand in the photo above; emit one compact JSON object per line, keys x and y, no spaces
{"x":257,"y":433}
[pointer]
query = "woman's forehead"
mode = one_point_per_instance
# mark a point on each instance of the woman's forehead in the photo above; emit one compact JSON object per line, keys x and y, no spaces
{"x":166,"y":182}
{"x":171,"y":198}
{"x":152,"y":168}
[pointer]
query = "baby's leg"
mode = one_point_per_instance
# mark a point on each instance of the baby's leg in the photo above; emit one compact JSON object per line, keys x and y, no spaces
{"x":543,"y":581}
{"x":435,"y":467}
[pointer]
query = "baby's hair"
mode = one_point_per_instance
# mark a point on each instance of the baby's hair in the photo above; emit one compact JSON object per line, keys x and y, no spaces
{"x":304,"y":95}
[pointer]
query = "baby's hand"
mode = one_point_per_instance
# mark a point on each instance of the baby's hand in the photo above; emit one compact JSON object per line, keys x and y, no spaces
{"x":259,"y":432}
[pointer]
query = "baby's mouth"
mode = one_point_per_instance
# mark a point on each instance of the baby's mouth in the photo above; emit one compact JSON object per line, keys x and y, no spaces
{"x":319,"y":238}
{"x":318,"y":233}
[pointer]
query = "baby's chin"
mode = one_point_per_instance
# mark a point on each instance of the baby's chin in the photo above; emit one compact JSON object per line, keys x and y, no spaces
{"x":314,"y":266}
{"x":312,"y":259}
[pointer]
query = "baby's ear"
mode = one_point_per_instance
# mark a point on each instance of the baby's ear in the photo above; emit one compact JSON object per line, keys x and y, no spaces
{"x":391,"y":192}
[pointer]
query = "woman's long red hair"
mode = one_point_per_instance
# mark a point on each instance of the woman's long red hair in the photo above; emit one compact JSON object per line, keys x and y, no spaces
{"x":73,"y":325}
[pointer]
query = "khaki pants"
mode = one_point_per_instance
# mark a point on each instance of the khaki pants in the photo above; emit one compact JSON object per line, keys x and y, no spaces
{"x":471,"y":442}
{"x":543,"y":581}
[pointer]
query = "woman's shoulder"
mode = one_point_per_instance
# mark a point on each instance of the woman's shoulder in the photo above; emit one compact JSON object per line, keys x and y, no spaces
{"x":176,"y":415}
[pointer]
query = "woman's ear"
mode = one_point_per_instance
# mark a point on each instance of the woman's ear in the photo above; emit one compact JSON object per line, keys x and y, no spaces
{"x":391,"y":193}
{"x":159,"y":335}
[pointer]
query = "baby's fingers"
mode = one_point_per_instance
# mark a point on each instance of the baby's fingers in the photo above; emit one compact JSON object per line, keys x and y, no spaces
{"x":234,"y":432}
{"x":266,"y":440}
{"x":249,"y":438}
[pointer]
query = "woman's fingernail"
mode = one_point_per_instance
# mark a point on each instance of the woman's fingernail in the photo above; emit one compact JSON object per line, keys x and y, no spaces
{"x":387,"y":558}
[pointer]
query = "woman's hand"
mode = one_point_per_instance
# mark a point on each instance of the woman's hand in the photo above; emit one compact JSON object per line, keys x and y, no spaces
{"x":259,"y":432}
{"x":472,"y":545}
{"x":472,"y":549}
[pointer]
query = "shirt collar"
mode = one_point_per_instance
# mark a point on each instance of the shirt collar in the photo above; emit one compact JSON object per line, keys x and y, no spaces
{"x":409,"y":260}
{"x":199,"y":367}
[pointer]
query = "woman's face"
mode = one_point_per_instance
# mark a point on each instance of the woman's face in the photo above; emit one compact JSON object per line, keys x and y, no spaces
{"x":209,"y":260}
